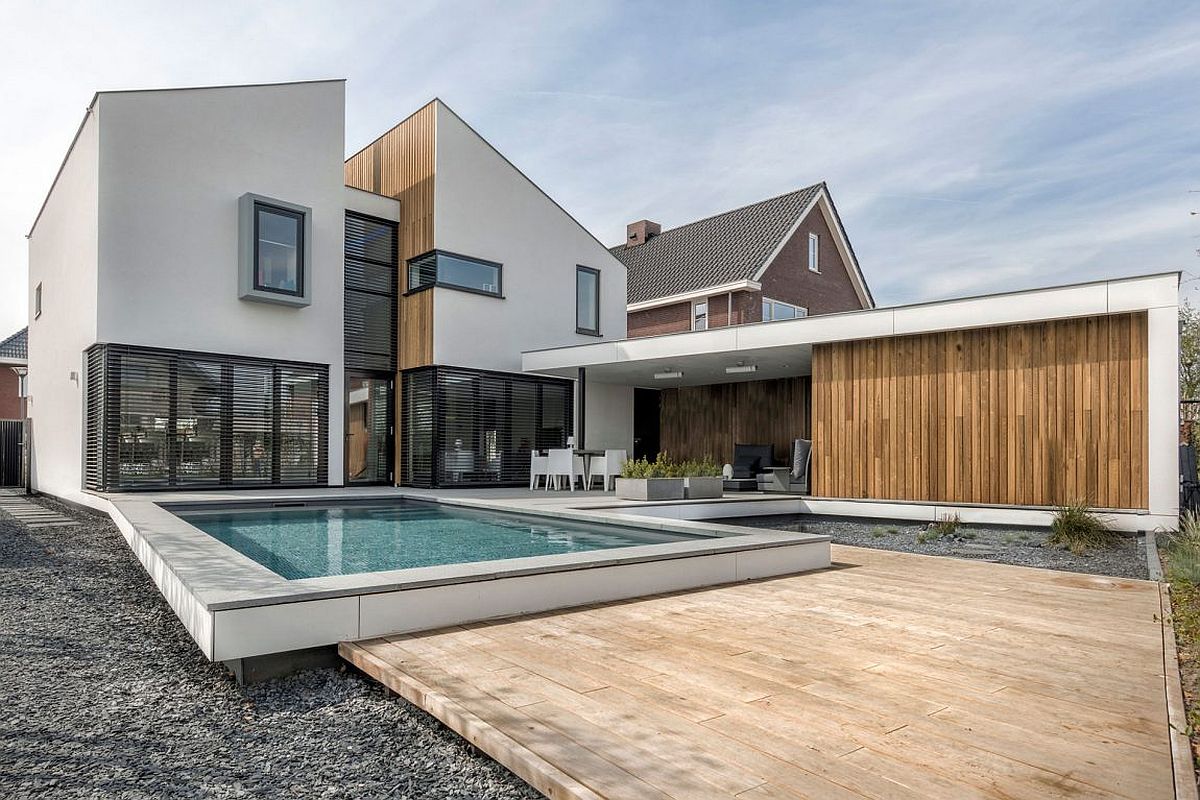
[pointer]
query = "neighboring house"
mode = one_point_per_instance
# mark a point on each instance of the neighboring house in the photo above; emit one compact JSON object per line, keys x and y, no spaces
{"x":781,"y":258}
{"x":212,"y":305}
{"x":13,"y":353}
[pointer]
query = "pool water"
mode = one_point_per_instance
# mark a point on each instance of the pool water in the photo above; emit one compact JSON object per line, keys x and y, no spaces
{"x":315,"y":542}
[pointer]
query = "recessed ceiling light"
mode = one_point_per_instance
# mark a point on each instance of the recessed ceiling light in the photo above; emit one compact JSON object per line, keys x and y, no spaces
{"x":741,"y":368}
{"x":665,"y":376}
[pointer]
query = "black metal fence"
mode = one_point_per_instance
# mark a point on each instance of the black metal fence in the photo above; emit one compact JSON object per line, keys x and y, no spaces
{"x":10,"y":452}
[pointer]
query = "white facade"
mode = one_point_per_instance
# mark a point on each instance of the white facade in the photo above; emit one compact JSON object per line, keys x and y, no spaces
{"x":63,"y":254}
{"x":484,"y":207}
{"x":138,"y":244}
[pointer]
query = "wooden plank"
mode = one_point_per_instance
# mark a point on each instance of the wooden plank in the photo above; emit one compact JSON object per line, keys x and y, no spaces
{"x":845,"y":683}
{"x":1038,"y":414}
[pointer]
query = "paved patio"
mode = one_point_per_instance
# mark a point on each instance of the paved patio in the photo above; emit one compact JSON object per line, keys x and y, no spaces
{"x":888,"y":676}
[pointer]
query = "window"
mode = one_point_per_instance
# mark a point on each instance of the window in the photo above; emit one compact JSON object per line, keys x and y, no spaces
{"x":438,"y":268}
{"x":700,"y":316}
{"x":278,"y":250}
{"x":369,"y":320}
{"x":587,"y":300}
{"x":814,"y":252}
{"x":274,"y":258}
{"x":37,"y":301}
{"x":773,"y":310}
{"x":158,"y":418}
{"x":466,"y":427}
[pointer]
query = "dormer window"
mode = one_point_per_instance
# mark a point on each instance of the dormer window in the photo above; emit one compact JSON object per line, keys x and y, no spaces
{"x":814,"y":252}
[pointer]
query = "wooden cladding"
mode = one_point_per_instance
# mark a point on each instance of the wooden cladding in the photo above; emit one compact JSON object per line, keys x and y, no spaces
{"x":400,"y":164}
{"x":1039,"y":414}
{"x":416,"y":330}
{"x":700,"y":421}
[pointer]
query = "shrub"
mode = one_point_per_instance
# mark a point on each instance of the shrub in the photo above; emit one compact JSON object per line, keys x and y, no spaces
{"x":663,"y":467}
{"x":945,"y":526}
{"x":1189,"y":530}
{"x":1077,"y":528}
{"x":1183,"y":550}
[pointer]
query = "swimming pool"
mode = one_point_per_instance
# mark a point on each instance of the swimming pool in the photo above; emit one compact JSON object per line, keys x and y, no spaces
{"x":317,"y":542}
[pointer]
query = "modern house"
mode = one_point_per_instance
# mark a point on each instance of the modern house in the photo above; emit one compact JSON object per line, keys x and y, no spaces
{"x":777,"y":259}
{"x":14,"y":356}
{"x":220,"y":299}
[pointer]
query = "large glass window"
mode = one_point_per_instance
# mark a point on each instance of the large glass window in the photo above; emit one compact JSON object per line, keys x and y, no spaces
{"x":587,"y":300}
{"x":485,"y":425}
{"x":700,"y":316}
{"x":278,"y":250}
{"x":773,"y":310}
{"x":370,"y":293}
{"x":437,"y":268}
{"x":166,"y":418}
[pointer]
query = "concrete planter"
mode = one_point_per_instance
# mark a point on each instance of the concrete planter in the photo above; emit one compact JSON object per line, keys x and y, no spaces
{"x":703,"y":488}
{"x":650,"y":488}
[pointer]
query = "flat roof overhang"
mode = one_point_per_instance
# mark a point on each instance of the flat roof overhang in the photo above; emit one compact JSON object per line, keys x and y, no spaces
{"x":784,"y":348}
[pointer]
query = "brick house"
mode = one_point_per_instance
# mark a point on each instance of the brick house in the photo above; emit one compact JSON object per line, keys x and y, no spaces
{"x":776,"y":259}
{"x":13,"y":353}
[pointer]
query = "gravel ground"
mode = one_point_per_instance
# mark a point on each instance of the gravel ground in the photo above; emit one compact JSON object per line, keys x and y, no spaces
{"x":1024,"y":547}
{"x":103,"y":694}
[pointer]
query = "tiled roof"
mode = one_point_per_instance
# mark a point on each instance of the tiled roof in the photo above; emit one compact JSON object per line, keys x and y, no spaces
{"x":714,"y":251}
{"x":16,"y":346}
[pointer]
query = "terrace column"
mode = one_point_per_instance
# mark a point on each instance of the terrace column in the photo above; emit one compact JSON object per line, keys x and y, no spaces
{"x":581,"y":427}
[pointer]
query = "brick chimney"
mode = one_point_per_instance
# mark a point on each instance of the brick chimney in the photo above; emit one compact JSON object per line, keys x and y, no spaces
{"x":641,"y":232}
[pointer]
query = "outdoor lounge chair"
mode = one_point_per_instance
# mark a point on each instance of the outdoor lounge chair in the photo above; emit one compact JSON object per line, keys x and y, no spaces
{"x":749,"y":460}
{"x":797,"y":476}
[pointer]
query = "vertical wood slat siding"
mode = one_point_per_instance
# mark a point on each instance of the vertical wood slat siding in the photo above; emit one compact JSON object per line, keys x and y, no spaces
{"x":1039,"y":414}
{"x":401,"y":164}
{"x":707,"y":421}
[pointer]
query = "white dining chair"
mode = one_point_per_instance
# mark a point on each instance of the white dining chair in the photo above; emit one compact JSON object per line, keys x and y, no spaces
{"x":608,"y":467}
{"x":539,"y":467}
{"x":565,"y":464}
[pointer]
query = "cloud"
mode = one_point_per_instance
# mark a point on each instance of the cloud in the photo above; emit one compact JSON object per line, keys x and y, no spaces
{"x":969,"y":148}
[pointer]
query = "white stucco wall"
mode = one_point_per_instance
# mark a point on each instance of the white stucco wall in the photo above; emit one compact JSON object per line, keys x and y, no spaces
{"x":62,"y":258}
{"x":484,"y":207}
{"x":172,"y":166}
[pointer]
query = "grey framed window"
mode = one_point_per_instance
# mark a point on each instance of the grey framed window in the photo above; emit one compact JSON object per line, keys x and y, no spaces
{"x":587,"y":300}
{"x":37,"y":301}
{"x":441,"y":268}
{"x":274,"y":244}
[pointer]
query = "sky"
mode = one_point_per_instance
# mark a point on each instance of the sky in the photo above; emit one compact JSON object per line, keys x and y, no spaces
{"x":969,"y":148}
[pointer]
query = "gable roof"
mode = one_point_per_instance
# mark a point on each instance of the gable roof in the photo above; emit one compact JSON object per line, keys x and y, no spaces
{"x":715,"y":251}
{"x":15,"y":347}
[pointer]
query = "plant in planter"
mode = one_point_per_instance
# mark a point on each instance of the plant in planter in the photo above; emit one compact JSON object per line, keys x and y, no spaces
{"x":650,"y":480}
{"x":701,"y":478}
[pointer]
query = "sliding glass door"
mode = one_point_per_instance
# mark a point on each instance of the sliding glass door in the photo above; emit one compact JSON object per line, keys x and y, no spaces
{"x":368,"y":429}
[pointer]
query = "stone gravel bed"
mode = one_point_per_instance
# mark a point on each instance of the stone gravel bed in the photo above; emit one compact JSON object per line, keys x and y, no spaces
{"x":1025,"y":547}
{"x":103,"y":694}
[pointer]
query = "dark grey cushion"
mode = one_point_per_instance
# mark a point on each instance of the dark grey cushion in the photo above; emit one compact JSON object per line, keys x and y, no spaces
{"x":801,"y":453}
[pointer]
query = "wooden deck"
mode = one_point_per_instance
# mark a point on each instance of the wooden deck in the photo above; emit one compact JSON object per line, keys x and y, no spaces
{"x":889,"y":676}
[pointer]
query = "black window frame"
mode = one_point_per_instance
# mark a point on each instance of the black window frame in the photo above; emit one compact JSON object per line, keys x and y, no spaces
{"x":301,"y":244}
{"x":356,"y":350}
{"x":105,"y":363}
{"x":581,"y":269}
{"x":438,"y":282}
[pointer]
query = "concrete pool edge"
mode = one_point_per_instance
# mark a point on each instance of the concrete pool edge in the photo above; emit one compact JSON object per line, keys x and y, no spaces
{"x":235,"y":608}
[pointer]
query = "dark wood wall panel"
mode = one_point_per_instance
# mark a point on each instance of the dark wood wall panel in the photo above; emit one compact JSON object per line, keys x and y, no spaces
{"x":700,"y":421}
{"x":1039,"y":414}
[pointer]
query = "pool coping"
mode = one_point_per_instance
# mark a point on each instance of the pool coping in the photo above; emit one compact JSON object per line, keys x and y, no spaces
{"x":220,"y":578}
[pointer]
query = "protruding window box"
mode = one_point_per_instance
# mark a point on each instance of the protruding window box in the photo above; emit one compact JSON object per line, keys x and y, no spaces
{"x":274,"y":251}
{"x":650,"y":488}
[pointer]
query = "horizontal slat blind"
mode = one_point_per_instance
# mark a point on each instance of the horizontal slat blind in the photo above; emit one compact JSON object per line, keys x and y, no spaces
{"x":477,"y":428}
{"x":160,"y":418}
{"x":370,"y":293}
